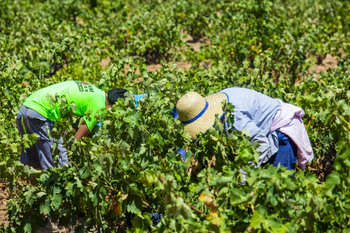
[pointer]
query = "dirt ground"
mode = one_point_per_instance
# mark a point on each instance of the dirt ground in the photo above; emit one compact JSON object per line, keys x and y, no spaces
{"x":4,"y":197}
{"x":328,"y":62}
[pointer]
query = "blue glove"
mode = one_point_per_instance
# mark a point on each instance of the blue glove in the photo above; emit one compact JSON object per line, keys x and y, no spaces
{"x":174,"y":113}
{"x":139,"y":97}
{"x":182,"y":153}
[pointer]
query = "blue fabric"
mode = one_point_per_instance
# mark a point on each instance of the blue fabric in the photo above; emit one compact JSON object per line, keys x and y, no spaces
{"x":39,"y":155}
{"x":182,"y":153}
{"x":174,"y":113}
{"x":287,"y":152}
{"x":139,"y":97}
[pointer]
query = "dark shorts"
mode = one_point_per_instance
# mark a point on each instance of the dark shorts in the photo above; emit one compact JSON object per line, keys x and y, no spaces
{"x":39,"y":155}
{"x":286,"y":154}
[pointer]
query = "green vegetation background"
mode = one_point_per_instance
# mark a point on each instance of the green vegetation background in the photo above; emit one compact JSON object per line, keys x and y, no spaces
{"x":132,"y":164}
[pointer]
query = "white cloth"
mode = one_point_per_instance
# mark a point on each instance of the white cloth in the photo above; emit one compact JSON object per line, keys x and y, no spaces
{"x":288,"y":121}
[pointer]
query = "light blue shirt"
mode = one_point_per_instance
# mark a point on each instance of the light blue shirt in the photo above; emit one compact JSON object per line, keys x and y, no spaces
{"x":255,"y":113}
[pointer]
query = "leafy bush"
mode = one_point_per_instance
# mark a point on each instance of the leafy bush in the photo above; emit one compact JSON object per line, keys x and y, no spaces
{"x":131,"y":165}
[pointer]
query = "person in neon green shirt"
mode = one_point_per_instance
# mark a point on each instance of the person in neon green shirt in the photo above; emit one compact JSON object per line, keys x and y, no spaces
{"x":39,"y":113}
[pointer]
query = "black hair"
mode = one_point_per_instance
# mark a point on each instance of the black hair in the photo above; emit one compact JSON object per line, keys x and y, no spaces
{"x":115,"y":94}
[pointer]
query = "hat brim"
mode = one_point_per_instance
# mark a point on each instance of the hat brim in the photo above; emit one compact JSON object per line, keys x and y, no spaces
{"x":203,"y":123}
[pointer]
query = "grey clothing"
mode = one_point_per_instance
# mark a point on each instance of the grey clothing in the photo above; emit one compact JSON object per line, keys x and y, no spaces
{"x":255,"y":112}
{"x":39,"y":155}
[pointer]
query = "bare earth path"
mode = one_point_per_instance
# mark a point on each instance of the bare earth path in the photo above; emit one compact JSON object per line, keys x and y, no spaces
{"x":4,"y":197}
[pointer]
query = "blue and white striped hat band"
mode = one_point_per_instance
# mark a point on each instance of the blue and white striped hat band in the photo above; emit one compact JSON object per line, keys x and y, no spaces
{"x":197,"y":113}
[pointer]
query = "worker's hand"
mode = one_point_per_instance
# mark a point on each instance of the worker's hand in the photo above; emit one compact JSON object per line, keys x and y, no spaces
{"x":83,"y":131}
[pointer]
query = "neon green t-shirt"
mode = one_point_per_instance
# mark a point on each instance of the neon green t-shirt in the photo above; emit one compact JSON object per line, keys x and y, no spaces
{"x":86,"y":97}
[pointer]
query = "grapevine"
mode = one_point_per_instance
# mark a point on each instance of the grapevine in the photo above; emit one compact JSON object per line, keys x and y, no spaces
{"x":128,"y":175}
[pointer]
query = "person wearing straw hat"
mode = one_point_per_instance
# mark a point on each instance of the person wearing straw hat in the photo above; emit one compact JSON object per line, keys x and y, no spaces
{"x":275,"y":125}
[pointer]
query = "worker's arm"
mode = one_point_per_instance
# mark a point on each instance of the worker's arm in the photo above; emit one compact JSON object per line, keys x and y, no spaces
{"x":243,"y":121}
{"x":83,"y":131}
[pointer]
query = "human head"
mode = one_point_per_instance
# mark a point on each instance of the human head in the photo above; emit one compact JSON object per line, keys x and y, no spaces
{"x":197,"y":113}
{"x":115,"y":94}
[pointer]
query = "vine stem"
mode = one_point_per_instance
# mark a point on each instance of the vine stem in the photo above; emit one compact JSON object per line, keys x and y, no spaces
{"x":341,"y":118}
{"x":70,"y":160}
{"x":145,"y":129}
{"x":195,"y":208}
{"x":9,"y":147}
{"x":162,"y":161}
{"x":144,"y":202}
{"x":192,"y":207}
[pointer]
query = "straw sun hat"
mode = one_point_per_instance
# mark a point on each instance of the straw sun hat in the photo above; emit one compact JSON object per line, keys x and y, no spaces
{"x":198,"y":113}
